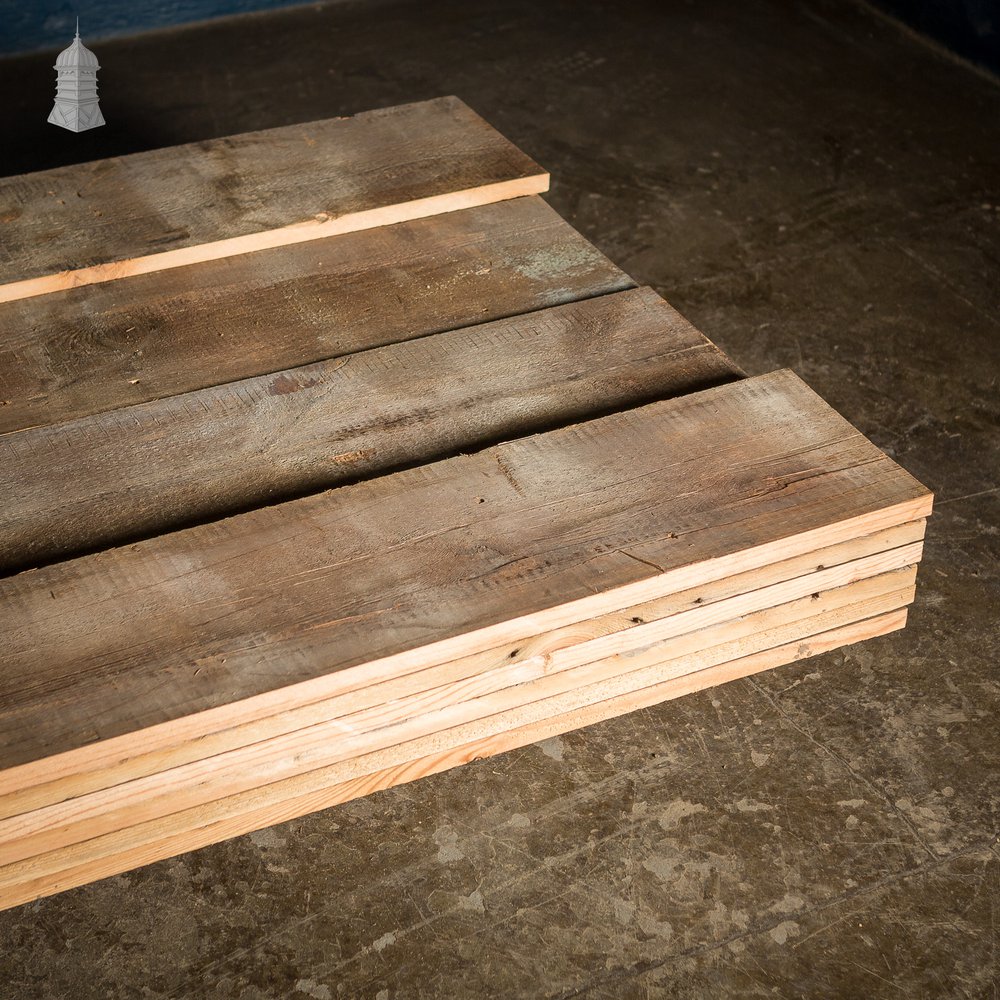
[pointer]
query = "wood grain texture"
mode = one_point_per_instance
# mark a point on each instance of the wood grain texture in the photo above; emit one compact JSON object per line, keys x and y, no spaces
{"x":90,"y":350}
{"x":487,"y":703}
{"x":114,"y":477}
{"x":182,"y":205}
{"x":144,"y":843}
{"x":105,"y":764}
{"x":397,"y":573}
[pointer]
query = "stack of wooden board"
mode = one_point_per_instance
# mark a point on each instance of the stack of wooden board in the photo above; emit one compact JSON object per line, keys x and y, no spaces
{"x":553,"y":501}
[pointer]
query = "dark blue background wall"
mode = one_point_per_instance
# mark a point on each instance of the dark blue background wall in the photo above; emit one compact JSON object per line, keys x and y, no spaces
{"x":969,"y":27}
{"x":37,"y":24}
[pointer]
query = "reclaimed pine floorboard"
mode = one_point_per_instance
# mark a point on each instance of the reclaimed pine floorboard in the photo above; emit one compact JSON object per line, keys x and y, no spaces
{"x":113,"y":477}
{"x":221,"y":819}
{"x":90,"y":350}
{"x":530,"y":496}
{"x":105,"y":220}
{"x":394,"y":574}
{"x":488,"y":703}
{"x":108,"y":763}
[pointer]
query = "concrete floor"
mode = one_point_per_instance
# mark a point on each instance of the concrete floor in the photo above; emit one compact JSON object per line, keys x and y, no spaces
{"x":814,"y":189}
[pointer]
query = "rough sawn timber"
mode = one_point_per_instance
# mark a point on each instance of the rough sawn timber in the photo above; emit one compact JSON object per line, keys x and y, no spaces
{"x":273,"y":609}
{"x":183,"y":205}
{"x":114,"y":477}
{"x":488,"y":703}
{"x":219,"y":820}
{"x":108,"y":763}
{"x":90,"y":350}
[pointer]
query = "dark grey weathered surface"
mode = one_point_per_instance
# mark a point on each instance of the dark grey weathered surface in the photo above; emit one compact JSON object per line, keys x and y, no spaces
{"x":810,"y":189}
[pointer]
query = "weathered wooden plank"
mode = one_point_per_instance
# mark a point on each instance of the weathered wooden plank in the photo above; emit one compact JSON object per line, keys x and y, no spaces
{"x":221,"y":819}
{"x":105,"y":764}
{"x":90,"y":350}
{"x":114,"y":477}
{"x":171,"y":207}
{"x":492,"y":699}
{"x":393,"y":574}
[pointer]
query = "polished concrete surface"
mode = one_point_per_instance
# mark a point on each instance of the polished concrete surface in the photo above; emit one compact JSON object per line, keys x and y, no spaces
{"x":814,"y":189}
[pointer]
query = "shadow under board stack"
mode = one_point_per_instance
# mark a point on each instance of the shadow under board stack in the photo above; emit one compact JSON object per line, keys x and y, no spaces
{"x":332,"y":457}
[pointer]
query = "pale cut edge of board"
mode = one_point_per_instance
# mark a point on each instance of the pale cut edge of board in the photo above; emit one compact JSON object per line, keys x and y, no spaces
{"x":265,"y":765}
{"x":216,"y":830}
{"x":102,"y":767}
{"x":299,"y":232}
